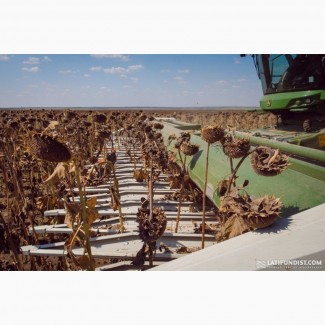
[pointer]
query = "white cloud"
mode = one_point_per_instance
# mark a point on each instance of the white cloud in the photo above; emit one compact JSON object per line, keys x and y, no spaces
{"x":135,"y":79}
{"x":179,"y":80}
{"x":220,"y":82}
{"x":126,"y":86}
{"x":183,"y":71}
{"x":116,"y":70}
{"x":68,"y":71}
{"x":32,"y":69}
{"x":86,"y":75}
{"x":237,"y":60}
{"x":236,"y":86}
{"x":4,"y":57}
{"x":241,"y":80}
{"x":121,"y":57}
{"x":33,"y":86}
{"x":95,"y":69}
{"x":47,"y":59}
{"x":123,"y":71}
{"x":32,"y":60}
{"x":165,"y":71}
{"x":136,"y":67}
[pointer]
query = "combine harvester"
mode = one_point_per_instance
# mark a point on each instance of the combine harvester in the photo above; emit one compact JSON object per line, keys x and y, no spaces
{"x":294,"y":90}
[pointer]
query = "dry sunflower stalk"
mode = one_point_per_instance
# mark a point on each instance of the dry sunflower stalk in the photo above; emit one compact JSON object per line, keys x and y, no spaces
{"x":210,"y":134}
{"x":150,"y":230}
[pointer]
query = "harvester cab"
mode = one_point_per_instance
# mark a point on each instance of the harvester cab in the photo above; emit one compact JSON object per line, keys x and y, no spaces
{"x":294,"y":88}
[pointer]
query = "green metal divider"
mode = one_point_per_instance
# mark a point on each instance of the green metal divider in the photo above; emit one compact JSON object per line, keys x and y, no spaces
{"x":300,"y":187}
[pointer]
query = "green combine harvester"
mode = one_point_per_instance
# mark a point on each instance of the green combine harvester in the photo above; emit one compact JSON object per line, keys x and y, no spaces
{"x":294,"y":90}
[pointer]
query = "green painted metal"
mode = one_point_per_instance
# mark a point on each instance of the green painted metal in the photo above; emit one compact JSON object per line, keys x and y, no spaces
{"x":292,"y":100}
{"x":300,"y":187}
{"x":314,"y":140}
{"x":309,"y":153}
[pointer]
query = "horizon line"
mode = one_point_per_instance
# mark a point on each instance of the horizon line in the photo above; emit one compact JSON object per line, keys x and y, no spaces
{"x":125,"y":107}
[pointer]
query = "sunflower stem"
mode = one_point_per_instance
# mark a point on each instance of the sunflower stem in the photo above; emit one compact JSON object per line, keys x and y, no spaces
{"x":151,"y":191}
{"x":84,"y":217}
{"x":12,"y":245}
{"x":232,"y":177}
{"x":204,"y":193}
{"x":117,"y":190}
{"x":232,"y":168}
{"x":180,"y":197}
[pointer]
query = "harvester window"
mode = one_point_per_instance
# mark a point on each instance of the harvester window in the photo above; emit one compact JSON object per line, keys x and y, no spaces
{"x":288,"y":72}
{"x":304,"y":72}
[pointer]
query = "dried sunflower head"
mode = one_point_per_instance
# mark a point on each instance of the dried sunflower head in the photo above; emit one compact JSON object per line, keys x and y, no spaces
{"x":142,"y":117}
{"x":236,"y":148}
{"x":252,"y":213}
{"x":46,"y":148}
{"x":184,"y":137}
{"x":158,"y":135}
{"x":263,"y":212}
{"x":86,"y":123}
{"x":13,"y":125}
{"x":150,"y":136}
{"x":268,"y":162}
{"x":111,"y":157}
{"x":189,"y":149}
{"x":100,"y":118}
{"x":45,"y":123}
{"x":158,"y":126}
{"x":212,"y":133}
{"x":69,"y":115}
{"x":147,"y":128}
{"x":151,"y":230}
{"x":102,"y":135}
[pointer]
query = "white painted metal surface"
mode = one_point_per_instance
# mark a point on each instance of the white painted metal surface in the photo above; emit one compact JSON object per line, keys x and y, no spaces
{"x":300,"y":237}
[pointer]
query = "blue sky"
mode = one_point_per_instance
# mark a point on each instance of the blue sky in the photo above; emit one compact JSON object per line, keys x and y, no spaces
{"x":128,"y":80}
